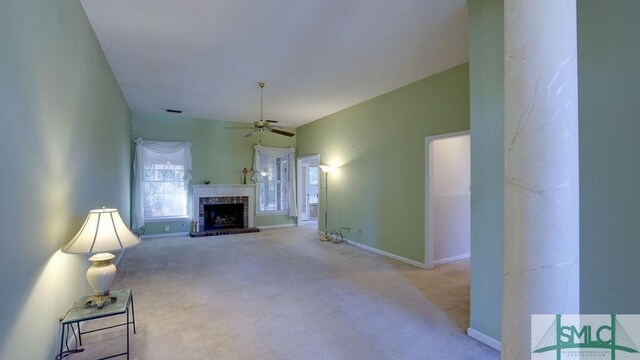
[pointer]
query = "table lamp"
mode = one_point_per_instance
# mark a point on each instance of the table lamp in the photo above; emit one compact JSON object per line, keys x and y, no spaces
{"x":102,"y":231}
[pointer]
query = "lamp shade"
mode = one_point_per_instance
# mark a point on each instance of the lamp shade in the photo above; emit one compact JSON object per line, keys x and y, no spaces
{"x":102,"y":231}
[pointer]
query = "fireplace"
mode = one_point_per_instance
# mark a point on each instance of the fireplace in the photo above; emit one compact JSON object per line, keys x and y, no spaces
{"x":223,"y":216}
{"x":223,"y":212}
{"x":223,"y":209}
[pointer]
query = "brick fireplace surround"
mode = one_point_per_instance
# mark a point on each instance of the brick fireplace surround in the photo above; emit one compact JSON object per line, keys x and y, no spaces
{"x":223,"y":194}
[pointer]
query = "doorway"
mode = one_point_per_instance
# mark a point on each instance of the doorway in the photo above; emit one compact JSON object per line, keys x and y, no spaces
{"x":448,"y":198}
{"x":308,"y":185}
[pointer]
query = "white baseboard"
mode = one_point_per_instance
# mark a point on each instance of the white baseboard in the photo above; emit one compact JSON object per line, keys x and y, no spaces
{"x":266,"y":227}
{"x":156,"y":236}
{"x":452,"y":259}
{"x":384,"y":253}
{"x":485,"y":339}
{"x":380,"y":252}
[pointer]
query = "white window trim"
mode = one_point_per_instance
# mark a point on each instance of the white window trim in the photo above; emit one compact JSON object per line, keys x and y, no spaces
{"x":269,"y":213}
{"x":165,"y":219}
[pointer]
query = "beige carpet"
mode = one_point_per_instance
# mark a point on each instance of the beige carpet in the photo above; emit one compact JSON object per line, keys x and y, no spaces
{"x":282,"y":294}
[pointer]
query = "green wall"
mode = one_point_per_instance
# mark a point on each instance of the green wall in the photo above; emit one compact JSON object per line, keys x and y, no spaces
{"x":609,"y":91}
{"x":379,"y":145}
{"x":65,"y":145}
{"x":486,"y":79}
{"x":609,"y":88}
{"x":219,"y":155}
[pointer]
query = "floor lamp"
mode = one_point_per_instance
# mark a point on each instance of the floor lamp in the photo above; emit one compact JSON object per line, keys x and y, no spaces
{"x":326,"y":169}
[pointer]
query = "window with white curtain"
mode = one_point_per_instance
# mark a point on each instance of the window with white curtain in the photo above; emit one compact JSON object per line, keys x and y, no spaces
{"x":273,"y":184}
{"x":162,"y":171}
{"x":274,"y":172}
{"x":165,"y":190}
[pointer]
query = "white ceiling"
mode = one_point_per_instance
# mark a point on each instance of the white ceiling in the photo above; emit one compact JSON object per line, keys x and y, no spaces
{"x":316,"y":56}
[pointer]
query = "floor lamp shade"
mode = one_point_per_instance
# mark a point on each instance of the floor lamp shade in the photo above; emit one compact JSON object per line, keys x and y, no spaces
{"x":102,"y":231}
{"x":327,"y":168}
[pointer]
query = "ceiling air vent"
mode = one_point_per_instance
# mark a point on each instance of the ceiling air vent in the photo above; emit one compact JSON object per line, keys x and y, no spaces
{"x":173,"y":111}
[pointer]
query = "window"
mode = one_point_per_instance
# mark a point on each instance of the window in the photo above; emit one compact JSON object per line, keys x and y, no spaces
{"x":165,"y":190}
{"x":162,"y":171}
{"x":273,"y":184}
{"x":275,"y":177}
{"x":312,"y":188}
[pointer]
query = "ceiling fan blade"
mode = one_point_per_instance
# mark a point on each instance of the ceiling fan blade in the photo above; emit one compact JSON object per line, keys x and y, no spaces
{"x":272,"y":121}
{"x":281,"y":132}
{"x":238,"y":127}
{"x":252,"y":132}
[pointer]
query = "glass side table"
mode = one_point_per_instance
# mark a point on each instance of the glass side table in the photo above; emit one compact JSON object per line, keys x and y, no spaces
{"x":80,"y":313}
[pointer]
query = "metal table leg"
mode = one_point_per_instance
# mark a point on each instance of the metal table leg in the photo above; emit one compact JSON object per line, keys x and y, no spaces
{"x":127,"y":334}
{"x":62,"y":341}
{"x":133,"y":314}
{"x":79,"y":333}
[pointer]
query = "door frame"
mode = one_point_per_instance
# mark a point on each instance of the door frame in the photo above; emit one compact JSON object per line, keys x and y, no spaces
{"x":428,"y":192}
{"x":300,"y":190}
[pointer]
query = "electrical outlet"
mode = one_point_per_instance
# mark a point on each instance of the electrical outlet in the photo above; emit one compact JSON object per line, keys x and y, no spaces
{"x":166,"y":228}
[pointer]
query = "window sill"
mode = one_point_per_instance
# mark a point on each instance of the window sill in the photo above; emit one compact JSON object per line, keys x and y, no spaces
{"x":175,"y":218}
{"x":271,"y":213}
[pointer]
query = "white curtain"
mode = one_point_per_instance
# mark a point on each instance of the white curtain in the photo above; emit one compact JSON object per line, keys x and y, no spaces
{"x":163,"y":147}
{"x":279,"y":152}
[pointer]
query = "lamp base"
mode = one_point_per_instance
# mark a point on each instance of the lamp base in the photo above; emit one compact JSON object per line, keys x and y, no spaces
{"x":99,"y":300}
{"x":325,"y":236}
{"x":100,"y":275}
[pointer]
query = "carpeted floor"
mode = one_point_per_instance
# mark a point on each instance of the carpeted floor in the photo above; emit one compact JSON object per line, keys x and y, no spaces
{"x":282,"y":294}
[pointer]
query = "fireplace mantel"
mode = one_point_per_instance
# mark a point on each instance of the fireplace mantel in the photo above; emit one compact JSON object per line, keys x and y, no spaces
{"x":220,"y":190}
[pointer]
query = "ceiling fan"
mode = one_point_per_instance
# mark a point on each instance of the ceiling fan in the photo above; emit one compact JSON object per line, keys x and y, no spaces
{"x":263,"y":125}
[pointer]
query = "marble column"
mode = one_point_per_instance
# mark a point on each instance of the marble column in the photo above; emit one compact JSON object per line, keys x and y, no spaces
{"x":541,"y":237}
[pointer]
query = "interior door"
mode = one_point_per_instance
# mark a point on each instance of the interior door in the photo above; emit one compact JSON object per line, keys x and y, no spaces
{"x":307,"y":188}
{"x":304,"y":208}
{"x":312,"y":192}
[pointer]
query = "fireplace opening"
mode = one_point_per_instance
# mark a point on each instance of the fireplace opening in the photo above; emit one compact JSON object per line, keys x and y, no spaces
{"x":223,"y":216}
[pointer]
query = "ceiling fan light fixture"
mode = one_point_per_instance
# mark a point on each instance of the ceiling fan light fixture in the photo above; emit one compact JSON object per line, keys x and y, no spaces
{"x":263,"y":125}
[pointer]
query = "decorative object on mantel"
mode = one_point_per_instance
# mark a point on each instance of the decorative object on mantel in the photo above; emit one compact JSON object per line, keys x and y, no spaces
{"x":326,"y":169}
{"x":102,"y":231}
{"x":206,"y":182}
{"x":194,"y":226}
{"x":245,"y":171}
{"x":261,"y":126}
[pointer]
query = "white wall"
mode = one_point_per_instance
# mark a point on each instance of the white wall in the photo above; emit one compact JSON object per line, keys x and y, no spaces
{"x":452,"y":197}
